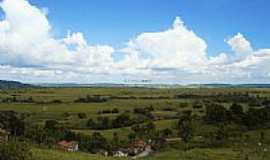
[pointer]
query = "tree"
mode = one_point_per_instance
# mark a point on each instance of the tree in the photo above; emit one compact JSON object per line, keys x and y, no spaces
{"x":217,"y":137}
{"x":97,"y":142}
{"x":166,"y":132}
{"x":236,"y":109}
{"x":13,"y":122}
{"x":51,"y":124}
{"x":185,"y":128}
{"x":215,"y":113}
{"x":122,"y":120}
{"x":91,"y":123}
{"x":37,"y":134}
{"x":104,"y":123}
{"x":131,"y":137}
{"x":15,"y":151}
{"x":144,"y":130}
{"x":236,"y":113}
{"x":115,"y":141}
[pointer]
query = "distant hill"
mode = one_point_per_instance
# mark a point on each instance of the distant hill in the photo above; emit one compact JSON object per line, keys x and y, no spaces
{"x":115,"y":85}
{"x":235,"y":85}
{"x":13,"y":85}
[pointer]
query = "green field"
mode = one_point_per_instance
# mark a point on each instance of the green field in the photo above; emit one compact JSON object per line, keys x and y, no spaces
{"x":196,"y":154}
{"x":166,"y":108}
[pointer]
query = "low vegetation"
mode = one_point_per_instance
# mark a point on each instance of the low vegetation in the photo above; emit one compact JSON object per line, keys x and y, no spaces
{"x":177,"y":123}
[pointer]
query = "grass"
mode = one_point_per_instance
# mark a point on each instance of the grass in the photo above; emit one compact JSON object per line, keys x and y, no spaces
{"x":49,"y":154}
{"x":194,"y":154}
{"x":38,"y":113}
{"x":122,"y":132}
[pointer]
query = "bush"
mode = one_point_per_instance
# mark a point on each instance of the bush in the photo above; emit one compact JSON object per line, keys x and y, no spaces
{"x":168,"y":109}
{"x":108,"y":111}
{"x":56,"y":101}
{"x":82,"y":115}
{"x":166,"y":132}
{"x":115,"y":110}
{"x":197,"y":106}
{"x":145,"y":111}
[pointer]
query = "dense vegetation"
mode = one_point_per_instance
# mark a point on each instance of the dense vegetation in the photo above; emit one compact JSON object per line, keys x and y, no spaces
{"x":181,"y":123}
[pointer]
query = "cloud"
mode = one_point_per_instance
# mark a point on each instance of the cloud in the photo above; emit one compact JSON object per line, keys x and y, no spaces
{"x":176,"y":47}
{"x":180,"y":55}
{"x":240,"y":45}
{"x":27,"y":41}
{"x":30,"y":52}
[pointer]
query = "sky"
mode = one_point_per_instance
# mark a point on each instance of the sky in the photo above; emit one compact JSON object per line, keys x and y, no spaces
{"x":126,"y":41}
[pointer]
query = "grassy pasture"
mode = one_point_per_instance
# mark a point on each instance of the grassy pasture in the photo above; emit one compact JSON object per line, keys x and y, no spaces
{"x":126,"y":99}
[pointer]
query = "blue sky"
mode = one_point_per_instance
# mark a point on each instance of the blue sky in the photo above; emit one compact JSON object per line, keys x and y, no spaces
{"x":164,"y":41}
{"x":115,"y":22}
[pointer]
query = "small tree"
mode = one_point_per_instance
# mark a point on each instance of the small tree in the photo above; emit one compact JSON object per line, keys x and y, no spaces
{"x":115,"y":110}
{"x":215,"y":113}
{"x":144,"y":130}
{"x":236,"y":109}
{"x":166,"y":132}
{"x":115,"y":141}
{"x":91,"y":123}
{"x":97,"y":142}
{"x":185,"y":128}
{"x":51,"y":124}
{"x":15,"y":151}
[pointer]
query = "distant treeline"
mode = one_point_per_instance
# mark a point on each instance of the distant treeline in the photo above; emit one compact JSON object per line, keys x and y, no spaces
{"x":224,"y":97}
{"x":18,"y":99}
{"x":250,"y":99}
{"x":91,"y":99}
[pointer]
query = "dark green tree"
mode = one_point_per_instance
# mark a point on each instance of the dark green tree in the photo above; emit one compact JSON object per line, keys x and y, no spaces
{"x":185,"y":128}
{"x":15,"y":151}
{"x":215,"y":113}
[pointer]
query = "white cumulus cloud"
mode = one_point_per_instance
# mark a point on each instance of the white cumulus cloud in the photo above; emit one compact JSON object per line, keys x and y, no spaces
{"x":30,"y":52}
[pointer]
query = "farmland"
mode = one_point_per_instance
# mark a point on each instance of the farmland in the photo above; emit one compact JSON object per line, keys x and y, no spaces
{"x":84,"y":112}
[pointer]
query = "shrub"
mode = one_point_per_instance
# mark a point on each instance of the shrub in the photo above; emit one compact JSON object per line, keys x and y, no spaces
{"x":82,"y":115}
{"x":56,"y":101}
{"x":197,"y":106}
{"x":115,"y":110}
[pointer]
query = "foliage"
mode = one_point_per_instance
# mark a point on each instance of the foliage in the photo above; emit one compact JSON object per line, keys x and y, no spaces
{"x":15,"y":151}
{"x":91,"y":99}
{"x":146,"y":130}
{"x":82,"y":115}
{"x":215,"y":113}
{"x":184,"y":127}
{"x":12,"y":122}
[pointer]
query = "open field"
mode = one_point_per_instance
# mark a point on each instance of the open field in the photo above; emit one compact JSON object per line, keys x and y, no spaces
{"x":196,"y":154}
{"x":59,"y":104}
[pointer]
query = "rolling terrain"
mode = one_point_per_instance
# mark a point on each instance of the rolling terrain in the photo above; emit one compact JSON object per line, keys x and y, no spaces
{"x":72,"y":110}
